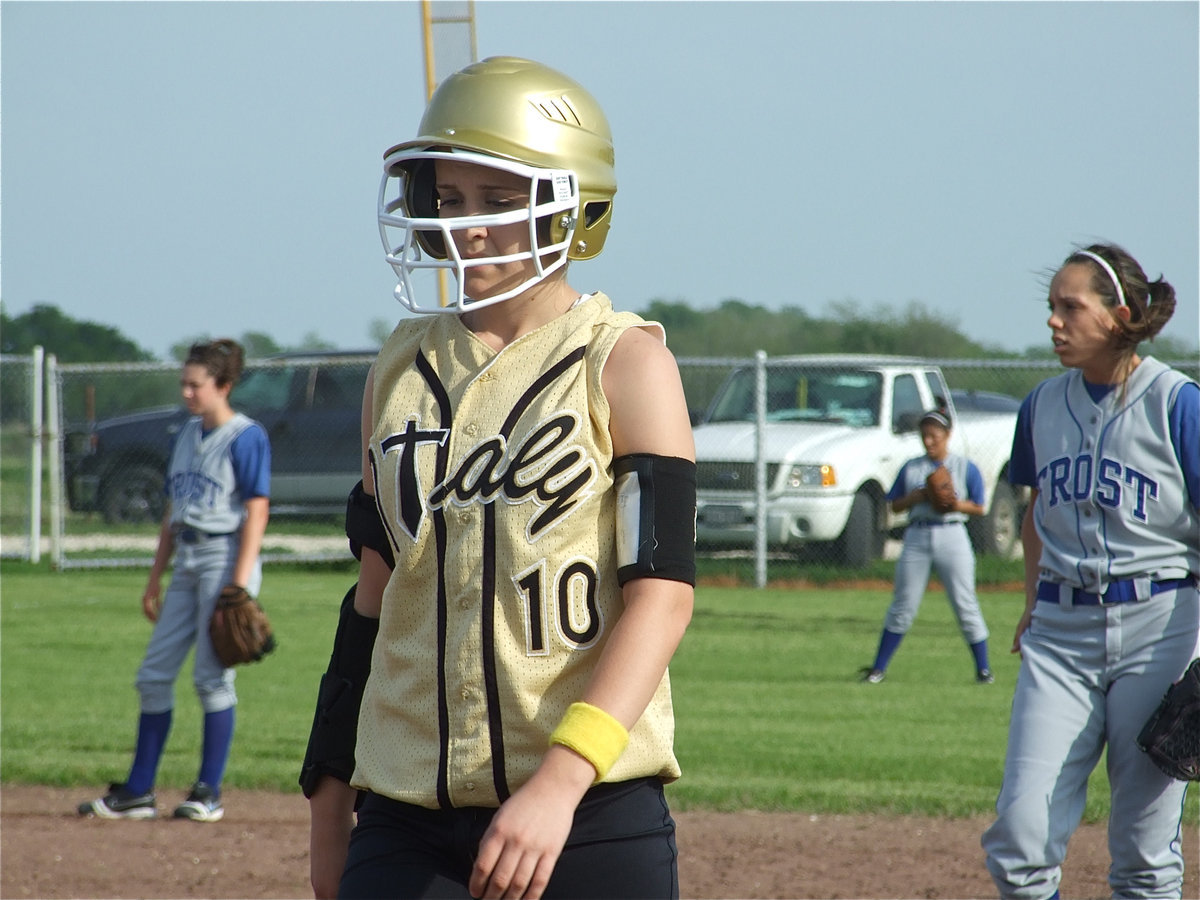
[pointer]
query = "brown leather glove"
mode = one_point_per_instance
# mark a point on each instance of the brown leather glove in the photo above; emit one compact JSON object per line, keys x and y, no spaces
{"x":239,"y":629}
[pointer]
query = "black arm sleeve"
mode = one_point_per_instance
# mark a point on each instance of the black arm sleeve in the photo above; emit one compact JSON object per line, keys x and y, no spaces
{"x":365,"y":528}
{"x":335,"y":723}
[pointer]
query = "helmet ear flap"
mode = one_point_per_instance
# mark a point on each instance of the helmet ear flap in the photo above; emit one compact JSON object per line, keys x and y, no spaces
{"x":421,"y":201}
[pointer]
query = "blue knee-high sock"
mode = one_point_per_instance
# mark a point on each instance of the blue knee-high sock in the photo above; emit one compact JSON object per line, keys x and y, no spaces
{"x":153,"y":729}
{"x":218,"y":738}
{"x":888,"y":642}
{"x":979,"y":651}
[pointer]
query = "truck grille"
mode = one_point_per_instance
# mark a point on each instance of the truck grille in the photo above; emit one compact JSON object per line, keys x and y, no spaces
{"x":730,"y":476}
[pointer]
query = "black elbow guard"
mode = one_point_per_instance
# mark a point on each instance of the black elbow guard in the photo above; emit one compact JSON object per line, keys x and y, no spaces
{"x":335,"y":723}
{"x":364,"y":527}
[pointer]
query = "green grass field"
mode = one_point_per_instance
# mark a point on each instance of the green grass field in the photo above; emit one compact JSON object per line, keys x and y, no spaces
{"x":770,"y":712}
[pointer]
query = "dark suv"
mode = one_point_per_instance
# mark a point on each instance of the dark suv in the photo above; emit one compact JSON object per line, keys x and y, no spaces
{"x":310,"y":404}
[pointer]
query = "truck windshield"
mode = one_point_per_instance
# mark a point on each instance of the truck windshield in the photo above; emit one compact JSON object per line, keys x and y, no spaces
{"x":849,"y":396}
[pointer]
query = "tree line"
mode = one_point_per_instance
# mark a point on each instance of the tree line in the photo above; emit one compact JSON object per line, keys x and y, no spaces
{"x":732,"y":329}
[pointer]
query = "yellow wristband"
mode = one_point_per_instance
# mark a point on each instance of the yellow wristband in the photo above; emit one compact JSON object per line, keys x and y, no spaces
{"x":593,"y":734}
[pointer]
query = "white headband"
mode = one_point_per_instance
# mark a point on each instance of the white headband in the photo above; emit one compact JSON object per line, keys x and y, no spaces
{"x":1111,"y":274}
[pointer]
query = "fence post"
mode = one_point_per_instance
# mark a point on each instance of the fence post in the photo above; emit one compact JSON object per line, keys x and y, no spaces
{"x":35,"y":457}
{"x":54,"y":459}
{"x":760,"y":468}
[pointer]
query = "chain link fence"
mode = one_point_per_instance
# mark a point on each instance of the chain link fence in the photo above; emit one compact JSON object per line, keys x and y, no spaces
{"x":118,"y":421}
{"x":21,"y":460}
{"x":789,"y":453}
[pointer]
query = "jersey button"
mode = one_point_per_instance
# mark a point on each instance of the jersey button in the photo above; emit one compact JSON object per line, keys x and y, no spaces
{"x":470,"y":785}
{"x":472,"y":429}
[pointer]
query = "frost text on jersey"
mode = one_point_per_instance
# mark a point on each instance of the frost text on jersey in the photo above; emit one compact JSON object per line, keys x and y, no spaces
{"x":1071,"y":480}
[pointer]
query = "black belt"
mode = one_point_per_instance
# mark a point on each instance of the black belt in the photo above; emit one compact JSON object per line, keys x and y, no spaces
{"x":1116,"y":592}
{"x":934,"y":523}
{"x":195,"y":536}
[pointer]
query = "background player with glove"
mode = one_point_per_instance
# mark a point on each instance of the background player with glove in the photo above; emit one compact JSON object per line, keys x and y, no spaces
{"x":528,"y":455}
{"x":218,"y":484}
{"x":1111,"y":449}
{"x":940,"y":490}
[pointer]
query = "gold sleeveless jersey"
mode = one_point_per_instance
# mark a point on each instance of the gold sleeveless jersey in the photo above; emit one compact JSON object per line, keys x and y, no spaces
{"x":493,"y":473}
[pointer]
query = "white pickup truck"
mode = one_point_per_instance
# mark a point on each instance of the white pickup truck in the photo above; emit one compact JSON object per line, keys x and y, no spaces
{"x":835,"y":430}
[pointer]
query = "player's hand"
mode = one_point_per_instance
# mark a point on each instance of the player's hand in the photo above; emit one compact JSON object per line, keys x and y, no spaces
{"x":1022,"y":627}
{"x":522,"y":844}
{"x":152,"y":601}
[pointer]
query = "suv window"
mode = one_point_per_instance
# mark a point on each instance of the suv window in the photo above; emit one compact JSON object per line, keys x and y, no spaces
{"x":906,"y":399}
{"x":338,"y":387}
{"x":264,"y":388}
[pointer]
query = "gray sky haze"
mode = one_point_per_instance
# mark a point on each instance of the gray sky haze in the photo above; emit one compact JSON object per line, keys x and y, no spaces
{"x":184,"y":168}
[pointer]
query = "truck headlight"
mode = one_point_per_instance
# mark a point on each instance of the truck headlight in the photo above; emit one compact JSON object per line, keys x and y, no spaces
{"x":811,"y":476}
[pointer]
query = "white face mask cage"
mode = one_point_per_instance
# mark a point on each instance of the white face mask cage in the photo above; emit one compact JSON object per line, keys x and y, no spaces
{"x":399,"y":229}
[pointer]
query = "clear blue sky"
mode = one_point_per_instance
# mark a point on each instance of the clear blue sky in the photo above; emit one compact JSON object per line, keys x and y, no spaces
{"x":175,"y":169}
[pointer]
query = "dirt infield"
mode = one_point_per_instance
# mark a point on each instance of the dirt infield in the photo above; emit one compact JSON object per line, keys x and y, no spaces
{"x":260,"y":849}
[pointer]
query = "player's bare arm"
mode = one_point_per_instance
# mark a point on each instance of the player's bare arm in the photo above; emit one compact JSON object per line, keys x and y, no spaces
{"x":645,"y":395}
{"x":909,"y":500}
{"x":373,"y":572}
{"x":332,"y":811}
{"x":1031,"y":546}
{"x":152,"y":595}
{"x":331,"y":807}
{"x":258,"y":511}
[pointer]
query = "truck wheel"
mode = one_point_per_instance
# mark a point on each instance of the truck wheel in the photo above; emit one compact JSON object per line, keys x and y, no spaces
{"x":997,"y":533}
{"x":861,"y":542}
{"x":135,"y":494}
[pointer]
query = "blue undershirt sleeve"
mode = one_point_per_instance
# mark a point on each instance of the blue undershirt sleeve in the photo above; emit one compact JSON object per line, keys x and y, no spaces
{"x":976,"y":491}
{"x":251,"y":454}
{"x":1022,"y":467}
{"x":1184,"y":422}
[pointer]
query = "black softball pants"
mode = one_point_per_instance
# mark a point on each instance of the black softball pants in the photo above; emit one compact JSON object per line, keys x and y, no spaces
{"x":622,"y":844}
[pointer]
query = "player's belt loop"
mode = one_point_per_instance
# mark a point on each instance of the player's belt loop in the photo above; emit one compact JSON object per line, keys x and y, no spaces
{"x":1142,"y":588}
{"x":1066,"y":596}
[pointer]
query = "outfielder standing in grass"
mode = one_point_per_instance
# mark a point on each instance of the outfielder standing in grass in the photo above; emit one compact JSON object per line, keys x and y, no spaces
{"x":1111,"y":450}
{"x":936,"y":539}
{"x":218,"y":484}
{"x":530,"y":457}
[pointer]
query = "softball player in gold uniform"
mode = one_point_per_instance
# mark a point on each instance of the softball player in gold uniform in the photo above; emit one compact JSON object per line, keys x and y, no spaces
{"x":531,"y":461}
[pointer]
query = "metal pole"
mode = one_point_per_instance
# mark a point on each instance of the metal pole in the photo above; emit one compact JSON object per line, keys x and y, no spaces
{"x":35,"y":458}
{"x":54,"y":459}
{"x":471,"y":28}
{"x":427,"y":21}
{"x":427,"y":43}
{"x":760,"y":468}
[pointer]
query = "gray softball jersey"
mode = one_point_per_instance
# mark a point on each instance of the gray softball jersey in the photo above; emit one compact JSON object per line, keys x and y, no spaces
{"x":1111,"y":503}
{"x":201,"y":481}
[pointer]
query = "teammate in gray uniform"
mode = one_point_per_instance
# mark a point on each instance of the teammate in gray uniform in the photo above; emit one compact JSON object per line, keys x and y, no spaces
{"x":1111,"y":450}
{"x":937,"y":541}
{"x":218,"y":482}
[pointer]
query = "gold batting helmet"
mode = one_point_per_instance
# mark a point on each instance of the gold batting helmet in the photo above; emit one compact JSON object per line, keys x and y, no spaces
{"x":519,"y":116}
